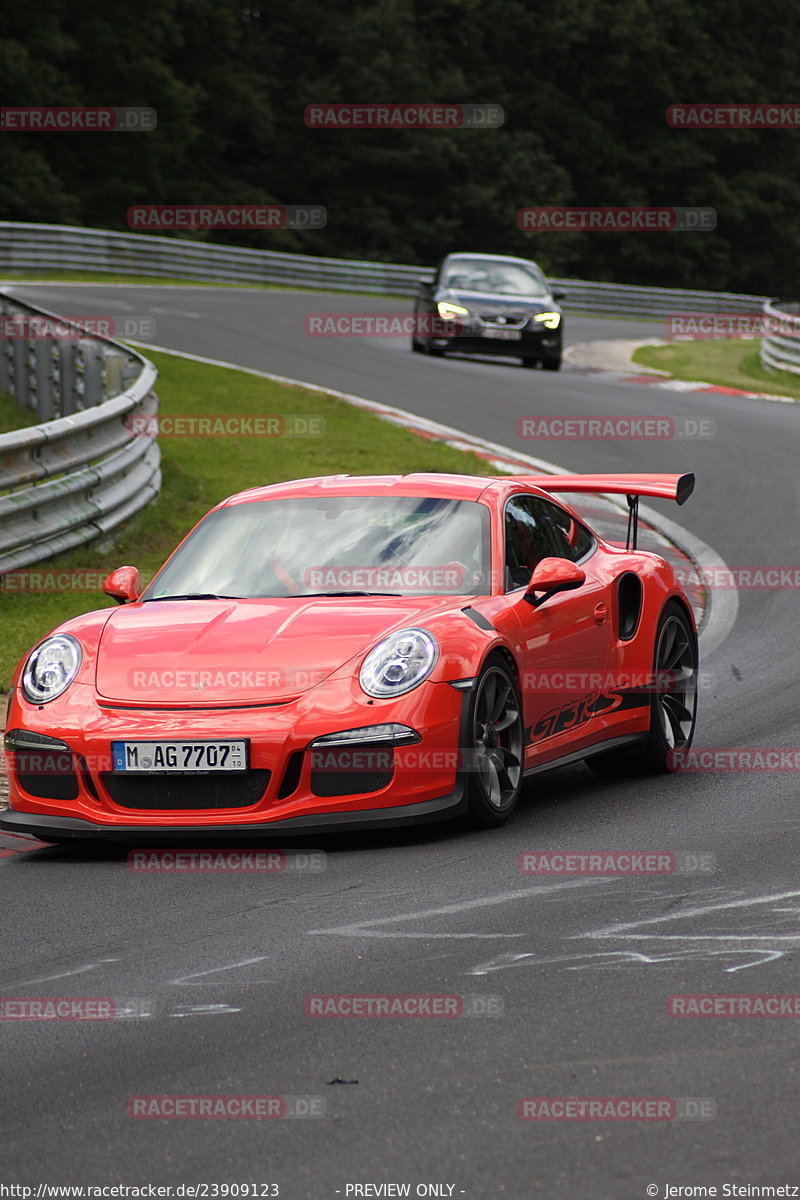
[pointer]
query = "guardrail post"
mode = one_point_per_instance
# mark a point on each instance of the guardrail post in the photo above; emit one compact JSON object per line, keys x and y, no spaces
{"x":68,"y":377}
{"x":44,"y":365}
{"x":93,"y":381}
{"x":6,"y":367}
{"x":22,"y":380}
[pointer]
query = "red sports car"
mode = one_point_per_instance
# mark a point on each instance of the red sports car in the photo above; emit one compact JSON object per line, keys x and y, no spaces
{"x":357,"y":653}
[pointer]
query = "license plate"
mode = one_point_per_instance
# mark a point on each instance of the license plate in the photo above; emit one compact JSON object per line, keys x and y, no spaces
{"x":176,"y":758}
{"x":503,"y":335}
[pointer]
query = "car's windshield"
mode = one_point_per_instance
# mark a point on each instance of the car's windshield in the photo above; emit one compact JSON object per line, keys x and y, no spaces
{"x":495,"y":277}
{"x":332,"y":545}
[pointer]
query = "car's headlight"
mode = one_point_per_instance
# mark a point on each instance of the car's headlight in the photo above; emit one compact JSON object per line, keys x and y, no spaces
{"x":448,"y":310}
{"x":549,"y":319}
{"x":51,"y":668}
{"x":399,"y":663}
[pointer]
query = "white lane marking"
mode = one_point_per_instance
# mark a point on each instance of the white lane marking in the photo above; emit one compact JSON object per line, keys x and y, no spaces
{"x":622,"y":958}
{"x":726,"y":906}
{"x":717,"y":625}
{"x":61,"y":975}
{"x":184,"y":979}
{"x":367,"y":928}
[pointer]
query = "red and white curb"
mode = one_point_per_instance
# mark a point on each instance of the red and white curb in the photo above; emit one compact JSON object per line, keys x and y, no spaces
{"x":689,"y":385}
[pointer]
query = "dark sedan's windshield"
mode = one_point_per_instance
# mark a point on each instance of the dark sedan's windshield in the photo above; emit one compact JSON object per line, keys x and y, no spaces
{"x":354,"y":545}
{"x":495,"y":277}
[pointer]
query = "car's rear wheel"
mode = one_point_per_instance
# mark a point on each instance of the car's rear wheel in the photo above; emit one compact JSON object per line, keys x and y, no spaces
{"x":673,"y":702}
{"x":496,"y":746}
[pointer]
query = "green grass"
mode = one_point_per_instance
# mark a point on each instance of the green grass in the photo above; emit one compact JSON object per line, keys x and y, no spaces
{"x":732,"y":362}
{"x":14,"y":417}
{"x":199,"y":472}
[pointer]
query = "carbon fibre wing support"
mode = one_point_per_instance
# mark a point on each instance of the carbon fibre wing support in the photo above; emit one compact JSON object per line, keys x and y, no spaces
{"x":666,"y":487}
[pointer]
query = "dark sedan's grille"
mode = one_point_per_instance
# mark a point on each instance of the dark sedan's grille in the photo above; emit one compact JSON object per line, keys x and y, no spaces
{"x":503,"y":322}
{"x":234,"y":789}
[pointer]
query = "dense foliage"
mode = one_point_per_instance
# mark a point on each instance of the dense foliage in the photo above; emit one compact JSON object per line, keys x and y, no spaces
{"x":585,"y":85}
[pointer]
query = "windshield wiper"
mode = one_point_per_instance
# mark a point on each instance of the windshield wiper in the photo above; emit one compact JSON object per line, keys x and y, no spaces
{"x":197,"y":596}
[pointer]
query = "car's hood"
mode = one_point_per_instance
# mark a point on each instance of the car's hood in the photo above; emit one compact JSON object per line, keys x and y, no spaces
{"x":485,"y":302}
{"x":200,"y":652}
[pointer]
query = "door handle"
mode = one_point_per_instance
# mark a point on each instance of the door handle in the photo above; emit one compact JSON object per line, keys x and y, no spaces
{"x":600,"y":614}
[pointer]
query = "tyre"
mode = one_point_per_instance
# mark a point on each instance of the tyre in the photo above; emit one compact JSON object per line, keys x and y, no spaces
{"x":552,"y":364}
{"x":495,"y":746}
{"x":531,"y":363}
{"x":673,"y":702}
{"x":415,"y":346}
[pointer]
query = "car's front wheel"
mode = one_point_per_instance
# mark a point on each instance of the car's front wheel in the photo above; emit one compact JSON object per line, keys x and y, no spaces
{"x":673,"y":703}
{"x":552,"y":364}
{"x":495,"y":749}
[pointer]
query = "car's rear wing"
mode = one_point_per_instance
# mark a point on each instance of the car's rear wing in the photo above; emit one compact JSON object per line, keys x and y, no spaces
{"x":667,"y":487}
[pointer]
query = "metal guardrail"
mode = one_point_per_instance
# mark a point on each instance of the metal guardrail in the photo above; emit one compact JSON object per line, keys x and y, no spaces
{"x":781,"y":353}
{"x":31,"y":247}
{"x":82,"y":471}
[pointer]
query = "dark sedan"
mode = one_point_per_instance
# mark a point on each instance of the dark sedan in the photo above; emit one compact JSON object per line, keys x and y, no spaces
{"x":490,"y":304}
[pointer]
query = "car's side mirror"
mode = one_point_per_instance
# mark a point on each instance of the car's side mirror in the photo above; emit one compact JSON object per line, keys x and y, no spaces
{"x":559,"y":293}
{"x":553,"y":575}
{"x":123,"y":585}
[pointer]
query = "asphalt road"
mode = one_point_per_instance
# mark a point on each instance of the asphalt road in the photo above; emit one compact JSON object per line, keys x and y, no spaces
{"x":214,"y":970}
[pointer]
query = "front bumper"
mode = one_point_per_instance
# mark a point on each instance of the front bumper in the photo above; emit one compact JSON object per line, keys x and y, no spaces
{"x":60,"y":828}
{"x":300,"y":793}
{"x":545,"y":343}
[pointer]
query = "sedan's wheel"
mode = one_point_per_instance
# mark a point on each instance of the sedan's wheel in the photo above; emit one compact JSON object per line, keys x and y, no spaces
{"x":673,"y":702}
{"x":495,"y":751}
{"x":531,"y":363}
{"x":415,"y":346}
{"x":552,"y":364}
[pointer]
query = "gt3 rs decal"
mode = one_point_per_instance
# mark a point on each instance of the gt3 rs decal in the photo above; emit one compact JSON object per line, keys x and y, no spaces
{"x":582,"y":709}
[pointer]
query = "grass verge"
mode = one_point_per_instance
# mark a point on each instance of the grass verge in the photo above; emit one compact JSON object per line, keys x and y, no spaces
{"x":730,"y":362}
{"x":200,"y":471}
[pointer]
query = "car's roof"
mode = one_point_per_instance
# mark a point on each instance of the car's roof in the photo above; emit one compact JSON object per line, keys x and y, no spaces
{"x":418,"y":483}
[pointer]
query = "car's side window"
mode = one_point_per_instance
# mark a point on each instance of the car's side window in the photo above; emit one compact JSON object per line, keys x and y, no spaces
{"x":537,"y":529}
{"x":574,"y":538}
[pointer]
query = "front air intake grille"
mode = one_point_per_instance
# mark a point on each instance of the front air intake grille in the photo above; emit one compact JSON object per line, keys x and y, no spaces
{"x":228,"y":789}
{"x":351,"y":771}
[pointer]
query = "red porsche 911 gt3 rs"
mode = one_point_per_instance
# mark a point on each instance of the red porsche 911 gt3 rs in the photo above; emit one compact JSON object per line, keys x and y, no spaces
{"x":357,"y":652}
